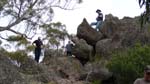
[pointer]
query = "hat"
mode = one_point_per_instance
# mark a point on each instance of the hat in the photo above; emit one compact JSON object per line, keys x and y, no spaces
{"x":147,"y":68}
{"x":98,"y":10}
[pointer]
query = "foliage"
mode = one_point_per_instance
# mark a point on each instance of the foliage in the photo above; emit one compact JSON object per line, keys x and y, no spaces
{"x":145,"y":15}
{"x":21,"y":42}
{"x":30,"y":48}
{"x":14,"y":38}
{"x":96,"y":82}
{"x":25,"y":16}
{"x":55,"y":33}
{"x":129,"y":64}
{"x":20,"y":56}
{"x":20,"y":39}
{"x":2,"y":3}
{"x":3,"y":51}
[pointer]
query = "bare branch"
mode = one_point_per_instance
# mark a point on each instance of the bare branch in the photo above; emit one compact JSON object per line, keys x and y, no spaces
{"x":20,"y":9}
{"x":17,"y":32}
{"x":57,"y":6}
{"x":31,"y":6}
{"x":18,"y":20}
{"x":26,"y":11}
{"x":3,"y":38}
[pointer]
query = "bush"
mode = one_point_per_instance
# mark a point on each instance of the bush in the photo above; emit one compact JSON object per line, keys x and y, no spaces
{"x":96,"y":82}
{"x":128,"y":65}
{"x":20,"y":56}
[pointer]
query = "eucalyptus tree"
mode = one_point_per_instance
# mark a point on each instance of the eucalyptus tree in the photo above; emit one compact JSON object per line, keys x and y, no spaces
{"x":23,"y":17}
{"x":54,"y":33}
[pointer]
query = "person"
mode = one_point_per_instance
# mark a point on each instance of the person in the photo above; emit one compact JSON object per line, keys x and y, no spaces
{"x":69,"y":48}
{"x":146,"y":78}
{"x":38,"y":47}
{"x":99,"y":20}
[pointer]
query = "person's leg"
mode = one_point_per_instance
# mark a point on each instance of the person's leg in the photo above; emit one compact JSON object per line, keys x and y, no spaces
{"x":98,"y":25}
{"x":68,"y":53}
{"x":93,"y":23}
{"x":36,"y":55}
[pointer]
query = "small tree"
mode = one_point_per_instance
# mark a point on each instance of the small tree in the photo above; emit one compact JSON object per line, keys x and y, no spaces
{"x":55,"y":33}
{"x":24,"y":17}
{"x":129,"y":64}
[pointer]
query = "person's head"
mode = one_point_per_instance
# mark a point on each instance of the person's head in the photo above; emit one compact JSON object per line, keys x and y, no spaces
{"x":98,"y":11}
{"x":147,"y":73}
{"x":69,"y":42}
{"x":39,"y":38}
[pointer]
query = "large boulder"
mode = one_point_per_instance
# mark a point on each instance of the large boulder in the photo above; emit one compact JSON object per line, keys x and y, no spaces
{"x":113,"y":25}
{"x":95,"y":71}
{"x":132,"y":37}
{"x":110,"y":26}
{"x":82,"y":51}
{"x":49,"y":53}
{"x":105,"y":47}
{"x":65,"y":67}
{"x":86,"y":32}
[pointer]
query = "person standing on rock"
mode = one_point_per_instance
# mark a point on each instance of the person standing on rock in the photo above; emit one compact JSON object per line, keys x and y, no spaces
{"x":146,"y":78}
{"x":69,"y":47}
{"x":38,"y":47}
{"x":99,"y":20}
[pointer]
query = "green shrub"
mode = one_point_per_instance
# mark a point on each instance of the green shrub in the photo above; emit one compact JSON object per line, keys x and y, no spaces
{"x":128,"y":65}
{"x":96,"y":82}
{"x":20,"y":56}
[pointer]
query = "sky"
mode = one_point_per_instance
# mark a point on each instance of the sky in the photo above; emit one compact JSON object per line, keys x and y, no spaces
{"x":119,"y":8}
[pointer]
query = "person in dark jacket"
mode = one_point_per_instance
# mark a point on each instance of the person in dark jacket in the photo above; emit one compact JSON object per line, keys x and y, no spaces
{"x":38,"y":47}
{"x":69,"y":48}
{"x":99,"y":20}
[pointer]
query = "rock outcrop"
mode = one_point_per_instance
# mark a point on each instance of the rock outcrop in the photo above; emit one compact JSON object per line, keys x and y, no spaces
{"x":82,"y":51}
{"x":114,"y":34}
{"x":86,"y":32}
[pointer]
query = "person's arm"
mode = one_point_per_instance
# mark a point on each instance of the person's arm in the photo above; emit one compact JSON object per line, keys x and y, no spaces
{"x":72,"y":45}
{"x":34,"y":42}
{"x":41,"y":44}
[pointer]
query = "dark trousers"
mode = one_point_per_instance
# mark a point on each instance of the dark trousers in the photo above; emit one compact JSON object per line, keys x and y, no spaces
{"x":69,"y":53}
{"x":37,"y":54}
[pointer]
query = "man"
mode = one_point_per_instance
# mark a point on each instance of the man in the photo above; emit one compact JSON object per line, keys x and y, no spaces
{"x":69,"y":48}
{"x":37,"y":51}
{"x":146,"y":78}
{"x":99,"y":20}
